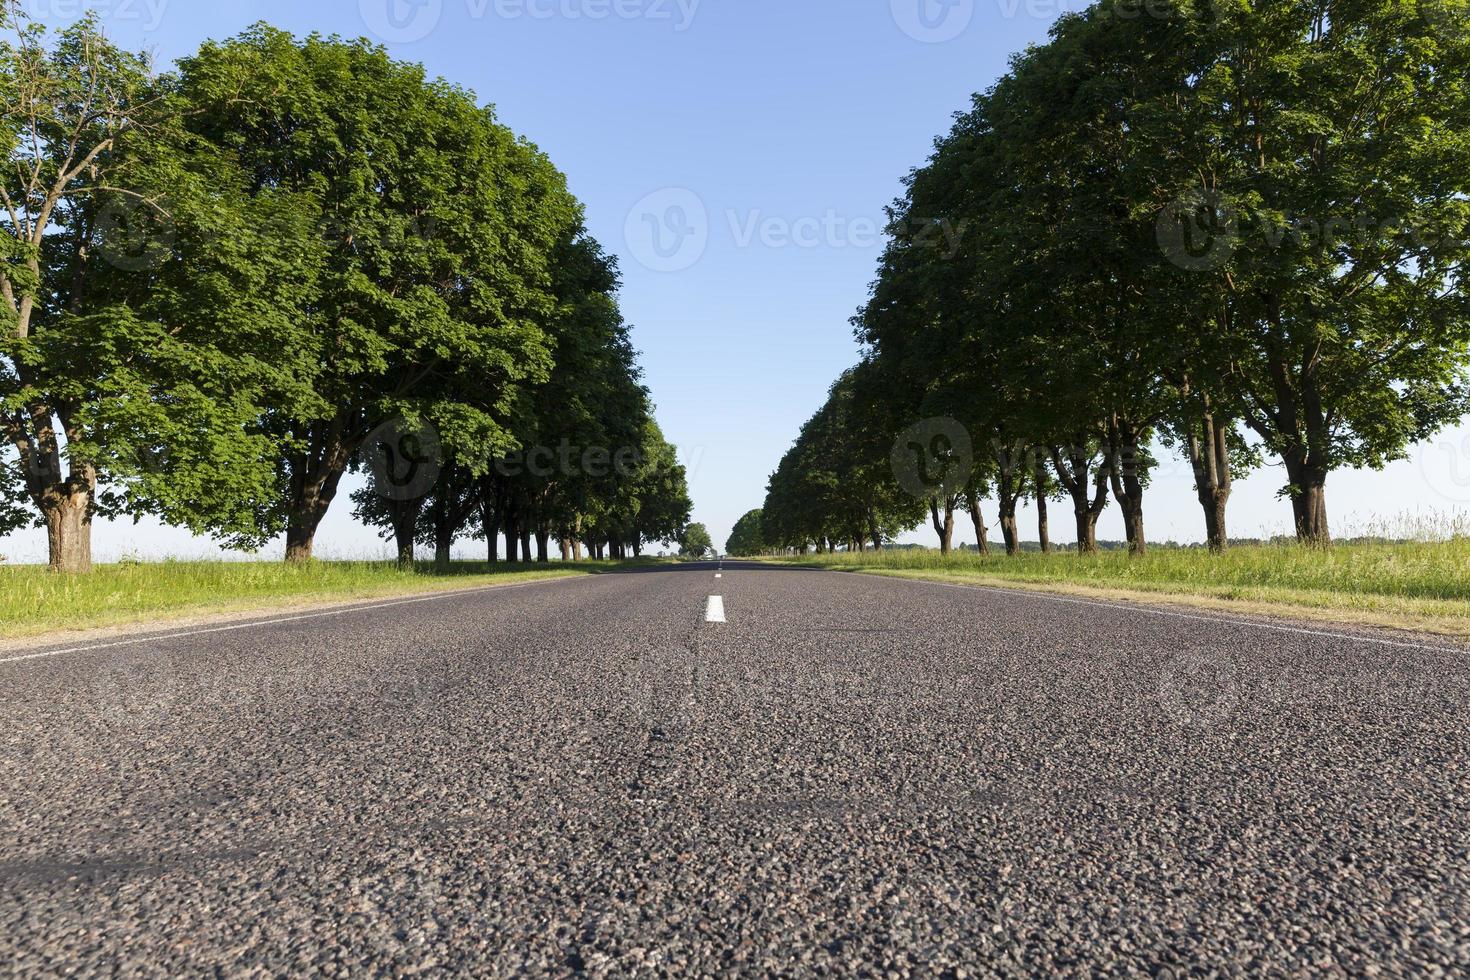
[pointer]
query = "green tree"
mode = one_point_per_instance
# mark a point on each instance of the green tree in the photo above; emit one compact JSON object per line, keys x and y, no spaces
{"x":747,"y":539}
{"x":144,"y":304}
{"x":440,"y":227}
{"x":696,"y":542}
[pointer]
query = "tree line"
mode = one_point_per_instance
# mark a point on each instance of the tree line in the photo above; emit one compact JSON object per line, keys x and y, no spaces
{"x":1237,"y":232}
{"x":229,"y":285}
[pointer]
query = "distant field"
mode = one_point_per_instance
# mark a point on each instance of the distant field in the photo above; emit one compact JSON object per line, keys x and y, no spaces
{"x":1421,"y":586}
{"x":34,"y":601}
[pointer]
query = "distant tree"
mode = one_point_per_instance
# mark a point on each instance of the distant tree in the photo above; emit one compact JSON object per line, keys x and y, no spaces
{"x":696,"y":542}
{"x":747,"y":539}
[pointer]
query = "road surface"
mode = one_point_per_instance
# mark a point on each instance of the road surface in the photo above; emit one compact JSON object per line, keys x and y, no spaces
{"x":846,"y":774}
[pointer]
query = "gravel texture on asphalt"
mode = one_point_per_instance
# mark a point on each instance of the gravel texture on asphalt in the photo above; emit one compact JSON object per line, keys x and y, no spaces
{"x":853,"y":775}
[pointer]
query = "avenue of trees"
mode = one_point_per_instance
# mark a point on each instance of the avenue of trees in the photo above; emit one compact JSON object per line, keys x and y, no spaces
{"x":228,"y":286}
{"x":1233,"y":231}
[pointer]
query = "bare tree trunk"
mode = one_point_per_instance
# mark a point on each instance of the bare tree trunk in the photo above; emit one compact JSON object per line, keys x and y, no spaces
{"x":1076,"y":476}
{"x":1308,"y":501}
{"x":442,"y":552}
{"x":512,"y":540}
{"x":1209,"y":455}
{"x":1043,"y":518}
{"x":67,"y":509}
{"x":943,"y":527}
{"x":543,"y":544}
{"x":1010,"y":484}
{"x":982,"y":533}
{"x":1124,"y":472}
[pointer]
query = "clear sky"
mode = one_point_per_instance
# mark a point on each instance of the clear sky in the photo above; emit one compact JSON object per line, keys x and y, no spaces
{"x":759,"y":140}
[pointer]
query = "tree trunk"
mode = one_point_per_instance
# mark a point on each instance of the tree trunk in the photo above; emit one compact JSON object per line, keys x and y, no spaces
{"x":405,"y":517}
{"x":1209,"y":456}
{"x":300,"y":536}
{"x":944,"y":528}
{"x":1074,"y":473}
{"x":526,"y":545}
{"x":1010,"y":484}
{"x":1125,"y":474}
{"x":543,"y":544}
{"x":1308,"y":489}
{"x":68,"y":512}
{"x":1043,"y":518}
{"x":1010,"y":532}
{"x":982,"y":533}
{"x":638,"y":548}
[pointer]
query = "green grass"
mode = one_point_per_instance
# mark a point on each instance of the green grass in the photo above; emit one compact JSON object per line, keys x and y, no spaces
{"x":34,"y":601}
{"x":1419,"y":585}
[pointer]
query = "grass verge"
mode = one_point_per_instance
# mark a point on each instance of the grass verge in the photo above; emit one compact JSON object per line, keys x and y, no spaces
{"x":1420,"y":587}
{"x":35,"y":602}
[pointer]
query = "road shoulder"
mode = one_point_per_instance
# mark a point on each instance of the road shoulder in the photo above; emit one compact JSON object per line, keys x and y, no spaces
{"x":1370,"y":622}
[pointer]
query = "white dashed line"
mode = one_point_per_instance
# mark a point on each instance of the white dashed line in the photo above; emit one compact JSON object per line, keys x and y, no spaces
{"x":715,"y":611}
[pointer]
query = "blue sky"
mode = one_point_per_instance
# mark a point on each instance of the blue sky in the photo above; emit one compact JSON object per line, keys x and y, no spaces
{"x":761,"y":140}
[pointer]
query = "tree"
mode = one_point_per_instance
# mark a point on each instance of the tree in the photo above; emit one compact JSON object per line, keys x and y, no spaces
{"x":747,"y":539}
{"x":144,"y":301}
{"x":696,"y":542}
{"x":1323,"y":162}
{"x":439,"y":227}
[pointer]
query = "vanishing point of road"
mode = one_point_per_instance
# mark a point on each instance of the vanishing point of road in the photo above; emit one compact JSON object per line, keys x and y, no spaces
{"x":737,"y":769}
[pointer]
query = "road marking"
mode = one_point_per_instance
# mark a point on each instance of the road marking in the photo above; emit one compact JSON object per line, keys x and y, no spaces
{"x":344,"y":611}
{"x":1150,"y":611}
{"x":715,"y":611}
{"x":717,"y":575}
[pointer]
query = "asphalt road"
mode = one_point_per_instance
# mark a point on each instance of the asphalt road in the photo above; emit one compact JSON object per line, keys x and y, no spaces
{"x":848,"y":775}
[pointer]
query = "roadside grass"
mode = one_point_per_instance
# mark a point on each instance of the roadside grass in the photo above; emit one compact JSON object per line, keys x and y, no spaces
{"x":1420,"y":586}
{"x":34,"y":601}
